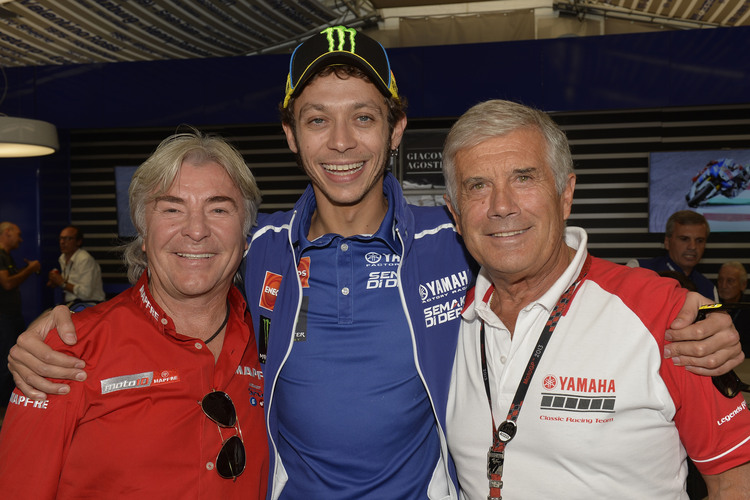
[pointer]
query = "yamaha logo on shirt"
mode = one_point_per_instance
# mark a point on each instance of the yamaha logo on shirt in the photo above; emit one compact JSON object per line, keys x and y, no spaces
{"x":375,"y":259}
{"x":444,"y":298}
{"x":578,"y":395}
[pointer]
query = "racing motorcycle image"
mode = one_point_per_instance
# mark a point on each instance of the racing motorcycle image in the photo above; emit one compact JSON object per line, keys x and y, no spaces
{"x":719,"y":177}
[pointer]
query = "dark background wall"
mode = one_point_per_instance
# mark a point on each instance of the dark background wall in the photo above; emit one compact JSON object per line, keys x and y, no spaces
{"x":618,"y":98}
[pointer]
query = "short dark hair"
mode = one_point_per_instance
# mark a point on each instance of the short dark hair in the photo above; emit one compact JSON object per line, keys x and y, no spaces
{"x":79,"y":233}
{"x":686,"y":218}
{"x":396,"y":107}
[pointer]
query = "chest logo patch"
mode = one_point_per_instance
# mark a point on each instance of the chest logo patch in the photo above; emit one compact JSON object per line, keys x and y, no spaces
{"x":271,"y":286}
{"x":303,"y":270}
{"x":139,"y":380}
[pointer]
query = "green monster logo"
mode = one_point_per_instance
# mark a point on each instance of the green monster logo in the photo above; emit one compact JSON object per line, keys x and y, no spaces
{"x":339,"y":32}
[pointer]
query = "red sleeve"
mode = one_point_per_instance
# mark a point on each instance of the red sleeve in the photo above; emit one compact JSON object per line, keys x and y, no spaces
{"x":35,"y":439}
{"x":715,"y":430}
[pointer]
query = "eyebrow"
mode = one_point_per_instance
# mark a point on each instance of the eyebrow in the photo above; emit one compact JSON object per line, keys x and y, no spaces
{"x":316,"y":107}
{"x":213,"y":199}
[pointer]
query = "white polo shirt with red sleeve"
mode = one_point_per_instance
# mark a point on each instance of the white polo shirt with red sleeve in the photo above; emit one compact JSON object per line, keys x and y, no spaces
{"x":605,"y":415}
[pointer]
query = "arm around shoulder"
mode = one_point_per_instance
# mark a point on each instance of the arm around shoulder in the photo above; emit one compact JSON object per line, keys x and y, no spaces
{"x":31,"y":361}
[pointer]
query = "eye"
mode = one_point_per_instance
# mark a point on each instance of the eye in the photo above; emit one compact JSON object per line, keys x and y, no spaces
{"x":476,"y":186}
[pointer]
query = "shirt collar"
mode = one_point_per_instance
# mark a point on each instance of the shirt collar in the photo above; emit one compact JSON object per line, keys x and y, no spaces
{"x":386,"y":232}
{"x":575,"y":238}
{"x":149,"y":307}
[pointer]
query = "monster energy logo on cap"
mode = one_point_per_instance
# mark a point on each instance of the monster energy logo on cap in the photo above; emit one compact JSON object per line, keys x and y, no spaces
{"x":339,"y":45}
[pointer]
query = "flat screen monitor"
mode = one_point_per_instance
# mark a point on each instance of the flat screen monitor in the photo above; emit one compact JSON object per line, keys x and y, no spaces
{"x":125,"y":227}
{"x":713,"y":183}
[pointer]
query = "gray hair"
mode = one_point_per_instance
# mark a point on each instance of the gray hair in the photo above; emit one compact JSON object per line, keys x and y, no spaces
{"x":155,"y":176}
{"x":737,"y":265}
{"x":686,"y":218}
{"x":496,"y":118}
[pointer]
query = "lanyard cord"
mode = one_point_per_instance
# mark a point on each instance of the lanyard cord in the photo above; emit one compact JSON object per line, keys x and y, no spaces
{"x":503,"y":433}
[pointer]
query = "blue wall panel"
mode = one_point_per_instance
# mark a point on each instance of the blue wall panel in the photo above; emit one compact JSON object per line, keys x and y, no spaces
{"x":648,"y":70}
{"x":677,"y":68}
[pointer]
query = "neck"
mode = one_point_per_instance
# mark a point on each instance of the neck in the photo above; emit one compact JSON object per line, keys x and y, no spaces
{"x":364,"y":217}
{"x":196,"y":317}
{"x":513,"y":293}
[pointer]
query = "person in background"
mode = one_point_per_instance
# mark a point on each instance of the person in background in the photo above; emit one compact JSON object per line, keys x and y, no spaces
{"x":560,"y":351}
{"x":732,"y":282}
{"x":685,"y":241}
{"x":79,"y":276}
{"x":11,"y":314}
{"x":731,"y":285}
{"x":172,"y":407}
{"x":356,"y":297}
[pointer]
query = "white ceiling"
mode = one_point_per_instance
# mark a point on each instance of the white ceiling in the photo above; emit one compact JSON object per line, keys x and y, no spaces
{"x":40,"y":32}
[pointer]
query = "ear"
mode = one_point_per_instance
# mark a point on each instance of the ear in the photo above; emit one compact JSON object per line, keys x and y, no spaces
{"x":398,"y":132}
{"x":454,"y":213}
{"x":567,"y":195}
{"x":290,"y":139}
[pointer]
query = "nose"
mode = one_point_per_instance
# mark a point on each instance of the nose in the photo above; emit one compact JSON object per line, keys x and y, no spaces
{"x":342,"y":137}
{"x":196,"y":225}
{"x":502,"y":201}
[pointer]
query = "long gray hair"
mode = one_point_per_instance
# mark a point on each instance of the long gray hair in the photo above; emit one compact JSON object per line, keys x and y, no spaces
{"x":155,"y":176}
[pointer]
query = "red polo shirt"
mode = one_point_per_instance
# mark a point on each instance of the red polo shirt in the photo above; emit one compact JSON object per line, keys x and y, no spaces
{"x":135,"y":428}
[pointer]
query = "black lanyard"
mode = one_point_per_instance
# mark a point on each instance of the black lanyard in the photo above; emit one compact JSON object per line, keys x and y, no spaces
{"x":503,"y":433}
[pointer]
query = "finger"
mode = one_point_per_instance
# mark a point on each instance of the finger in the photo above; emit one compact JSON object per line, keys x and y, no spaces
{"x":720,"y":370}
{"x":40,"y":358}
{"x":717,"y":348}
{"x":689,"y":310}
{"x":29,"y":372}
{"x":717,"y":325}
{"x":64,"y":323}
{"x":20,"y":376}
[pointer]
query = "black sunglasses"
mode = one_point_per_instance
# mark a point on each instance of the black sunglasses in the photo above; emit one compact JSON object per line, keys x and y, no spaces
{"x":218,"y":406}
{"x":729,"y":384}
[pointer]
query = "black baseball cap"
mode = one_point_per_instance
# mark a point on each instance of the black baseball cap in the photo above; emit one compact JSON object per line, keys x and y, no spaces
{"x":340,"y":45}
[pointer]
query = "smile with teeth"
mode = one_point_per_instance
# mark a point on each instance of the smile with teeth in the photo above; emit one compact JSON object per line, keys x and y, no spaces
{"x":508,"y":233}
{"x":342,"y":169}
{"x":195,"y":255}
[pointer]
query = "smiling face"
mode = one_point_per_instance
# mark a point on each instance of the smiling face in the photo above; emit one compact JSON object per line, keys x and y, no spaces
{"x":508,"y":210}
{"x":342,"y":139}
{"x":194,"y":239}
{"x":686,"y":245}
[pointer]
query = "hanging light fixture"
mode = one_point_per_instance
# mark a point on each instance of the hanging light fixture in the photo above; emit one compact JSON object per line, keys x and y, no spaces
{"x":21,"y":137}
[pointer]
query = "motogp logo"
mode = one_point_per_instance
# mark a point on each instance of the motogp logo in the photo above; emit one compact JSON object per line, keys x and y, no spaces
{"x":373,"y":257}
{"x":550,"y":382}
